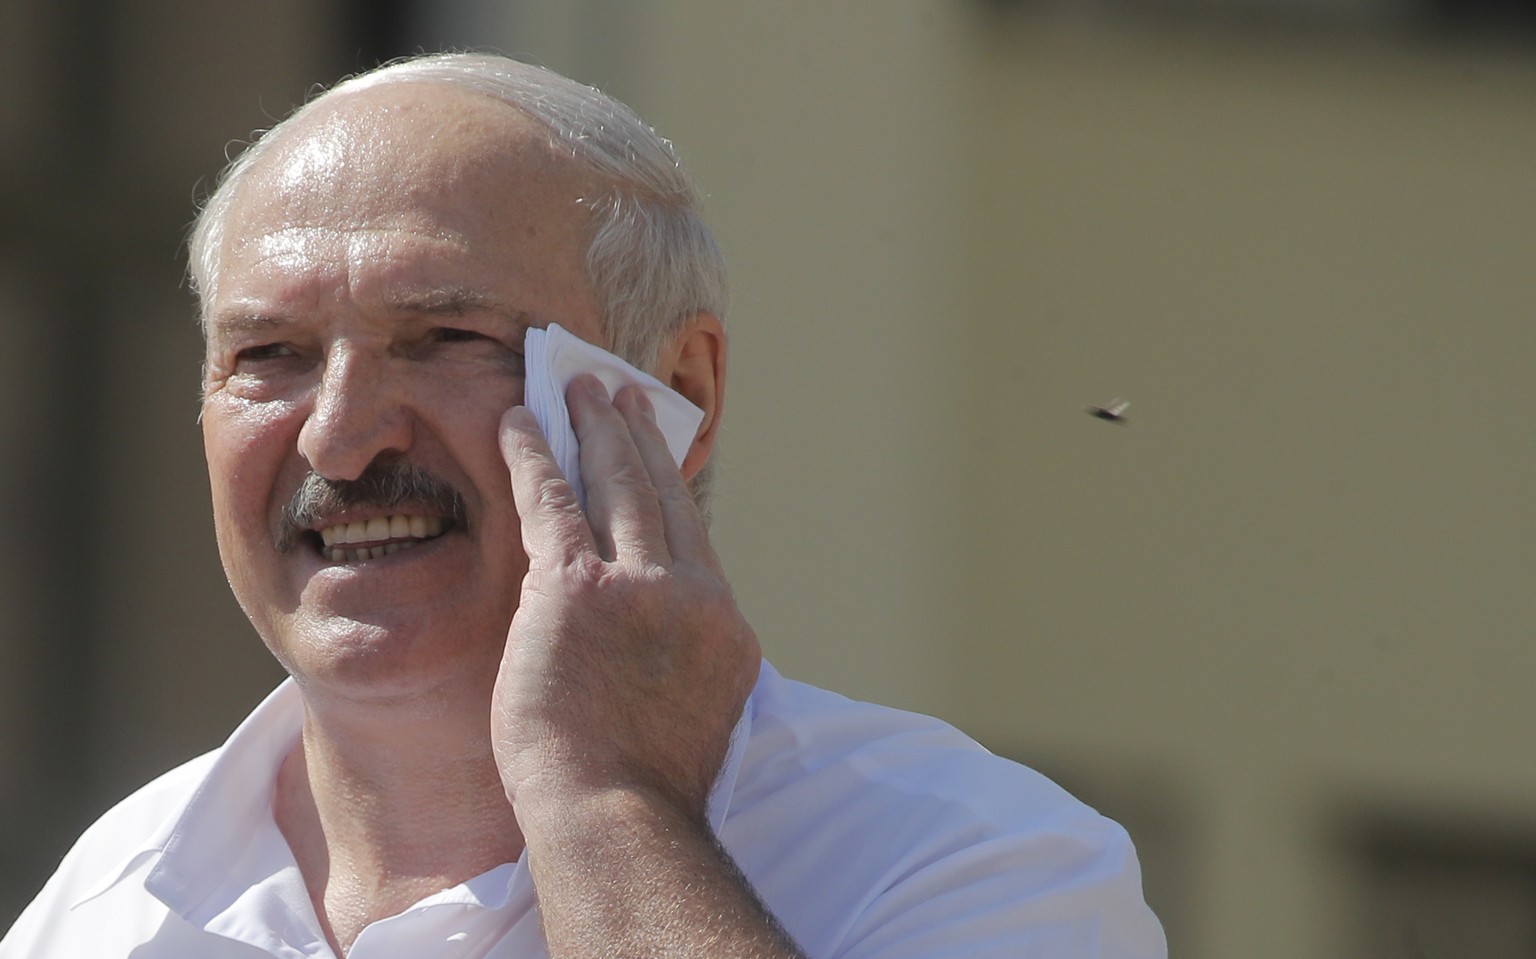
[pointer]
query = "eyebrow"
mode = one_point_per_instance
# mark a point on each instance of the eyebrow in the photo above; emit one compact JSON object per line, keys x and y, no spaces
{"x":237,"y":322}
{"x":437,"y":301}
{"x":447,"y":301}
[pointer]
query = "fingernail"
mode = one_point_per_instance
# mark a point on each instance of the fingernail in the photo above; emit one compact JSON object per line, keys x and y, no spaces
{"x":519,"y":417}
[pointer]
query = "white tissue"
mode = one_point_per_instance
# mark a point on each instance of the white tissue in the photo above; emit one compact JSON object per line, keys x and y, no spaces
{"x":552,"y":357}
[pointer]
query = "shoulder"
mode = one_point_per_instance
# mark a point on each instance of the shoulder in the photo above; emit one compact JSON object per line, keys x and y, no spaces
{"x":890,"y":833}
{"x":809,"y":739}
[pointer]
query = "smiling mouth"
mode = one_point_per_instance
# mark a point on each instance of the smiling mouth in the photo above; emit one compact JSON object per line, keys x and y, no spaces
{"x":377,"y":537}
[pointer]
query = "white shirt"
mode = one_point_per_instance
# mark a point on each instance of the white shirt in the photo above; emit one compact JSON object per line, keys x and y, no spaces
{"x":869,"y":832}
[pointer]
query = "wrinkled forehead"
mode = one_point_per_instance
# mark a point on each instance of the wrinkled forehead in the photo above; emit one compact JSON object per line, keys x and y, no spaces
{"x":370,"y":158}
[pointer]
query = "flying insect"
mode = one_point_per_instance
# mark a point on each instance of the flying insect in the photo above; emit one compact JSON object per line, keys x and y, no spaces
{"x":1113,"y":411}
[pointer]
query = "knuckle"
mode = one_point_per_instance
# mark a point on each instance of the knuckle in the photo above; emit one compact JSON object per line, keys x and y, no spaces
{"x":588,"y":572}
{"x":554,"y":494}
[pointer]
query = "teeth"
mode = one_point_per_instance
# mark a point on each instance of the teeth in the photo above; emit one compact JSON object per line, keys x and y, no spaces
{"x":405,"y":530}
{"x":338,"y":555}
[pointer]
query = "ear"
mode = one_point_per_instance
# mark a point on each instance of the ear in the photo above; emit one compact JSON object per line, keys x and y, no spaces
{"x":693,"y":364}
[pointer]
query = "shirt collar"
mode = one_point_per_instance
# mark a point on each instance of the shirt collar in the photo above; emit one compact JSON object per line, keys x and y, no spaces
{"x":233,"y":794}
{"x":233,"y":799}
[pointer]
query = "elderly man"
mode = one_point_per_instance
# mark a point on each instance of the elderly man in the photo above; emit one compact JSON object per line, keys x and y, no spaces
{"x":518,"y":725}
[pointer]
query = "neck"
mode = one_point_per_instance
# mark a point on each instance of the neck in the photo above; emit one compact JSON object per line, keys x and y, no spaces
{"x":382,"y":811}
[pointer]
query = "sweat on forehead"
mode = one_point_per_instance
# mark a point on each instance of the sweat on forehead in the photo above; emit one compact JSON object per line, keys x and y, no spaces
{"x":367,"y":150}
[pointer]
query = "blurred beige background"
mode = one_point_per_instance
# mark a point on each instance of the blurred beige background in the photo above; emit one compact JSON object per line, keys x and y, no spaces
{"x":1279,"y":622}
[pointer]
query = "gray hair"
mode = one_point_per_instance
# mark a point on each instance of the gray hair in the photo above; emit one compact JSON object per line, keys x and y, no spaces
{"x":652,"y":261}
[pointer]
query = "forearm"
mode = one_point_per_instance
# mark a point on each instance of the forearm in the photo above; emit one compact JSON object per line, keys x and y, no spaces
{"x":624,"y":874}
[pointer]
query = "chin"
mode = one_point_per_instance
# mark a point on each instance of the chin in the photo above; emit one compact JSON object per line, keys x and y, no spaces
{"x":347,"y":658}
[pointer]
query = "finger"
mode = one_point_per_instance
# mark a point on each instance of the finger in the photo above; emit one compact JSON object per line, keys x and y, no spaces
{"x":621,"y":502}
{"x":554,"y":529}
{"x":682,"y":524}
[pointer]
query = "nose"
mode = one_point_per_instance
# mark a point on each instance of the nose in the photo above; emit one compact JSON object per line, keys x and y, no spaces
{"x":358,"y":413}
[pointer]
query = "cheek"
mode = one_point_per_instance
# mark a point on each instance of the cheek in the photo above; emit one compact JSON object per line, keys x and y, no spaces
{"x":464,"y":419}
{"x":467,"y":429}
{"x":248,"y":447}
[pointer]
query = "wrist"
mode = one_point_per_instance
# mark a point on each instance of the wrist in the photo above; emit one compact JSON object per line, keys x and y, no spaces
{"x":558,"y":809}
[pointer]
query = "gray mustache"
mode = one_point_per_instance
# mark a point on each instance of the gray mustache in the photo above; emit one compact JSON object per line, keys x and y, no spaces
{"x":383,"y":485}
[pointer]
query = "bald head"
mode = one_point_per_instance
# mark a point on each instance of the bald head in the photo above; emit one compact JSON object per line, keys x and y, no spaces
{"x":651,"y":259}
{"x":365,"y":185}
{"x":434,"y":143}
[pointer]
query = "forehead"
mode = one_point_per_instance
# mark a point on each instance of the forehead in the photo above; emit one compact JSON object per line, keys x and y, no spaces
{"x":453,"y":169}
{"x":423,"y":141}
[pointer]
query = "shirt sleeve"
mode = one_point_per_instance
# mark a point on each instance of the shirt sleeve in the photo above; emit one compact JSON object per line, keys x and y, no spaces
{"x":1067,"y":894}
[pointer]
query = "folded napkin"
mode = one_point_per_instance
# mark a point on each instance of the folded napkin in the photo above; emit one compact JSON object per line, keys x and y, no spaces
{"x":552,"y":357}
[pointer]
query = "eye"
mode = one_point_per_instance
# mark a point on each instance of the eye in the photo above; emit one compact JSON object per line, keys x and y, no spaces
{"x":456,"y":344}
{"x":266,"y":351}
{"x":449,"y":334}
{"x":260,"y":370}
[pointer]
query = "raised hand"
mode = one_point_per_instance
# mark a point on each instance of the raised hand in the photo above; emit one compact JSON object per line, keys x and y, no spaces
{"x":627,"y":663}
